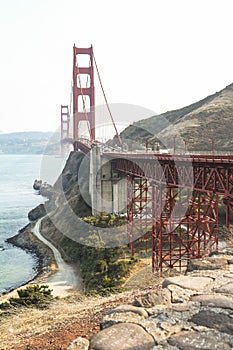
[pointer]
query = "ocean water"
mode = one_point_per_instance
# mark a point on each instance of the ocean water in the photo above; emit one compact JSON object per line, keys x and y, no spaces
{"x":17,"y":198}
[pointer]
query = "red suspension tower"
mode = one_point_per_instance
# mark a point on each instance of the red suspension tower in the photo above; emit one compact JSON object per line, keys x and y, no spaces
{"x":85,"y":114}
{"x":65,"y":122}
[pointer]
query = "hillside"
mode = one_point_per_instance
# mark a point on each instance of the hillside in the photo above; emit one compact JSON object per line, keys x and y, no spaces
{"x":32,"y":142}
{"x":201,"y":125}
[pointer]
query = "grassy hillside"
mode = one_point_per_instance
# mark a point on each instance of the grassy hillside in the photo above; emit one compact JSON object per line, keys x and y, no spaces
{"x":201,"y":125}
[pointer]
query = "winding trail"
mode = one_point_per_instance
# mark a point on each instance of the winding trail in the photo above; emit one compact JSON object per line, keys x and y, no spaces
{"x":65,"y":279}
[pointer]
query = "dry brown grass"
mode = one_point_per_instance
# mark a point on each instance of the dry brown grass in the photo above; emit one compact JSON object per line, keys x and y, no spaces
{"x":66,"y":318}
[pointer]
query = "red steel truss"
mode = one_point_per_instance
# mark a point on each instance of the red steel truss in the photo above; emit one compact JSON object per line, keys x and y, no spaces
{"x":86,"y":114}
{"x":182,"y":208}
{"x":177,"y":239}
{"x":139,"y":213}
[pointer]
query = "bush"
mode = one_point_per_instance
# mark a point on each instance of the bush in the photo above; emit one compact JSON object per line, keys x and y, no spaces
{"x":101,"y":266}
{"x":33,"y":296}
{"x":105,"y":220}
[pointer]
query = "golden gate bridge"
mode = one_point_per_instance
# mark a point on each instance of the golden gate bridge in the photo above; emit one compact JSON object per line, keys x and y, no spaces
{"x":172,"y":199}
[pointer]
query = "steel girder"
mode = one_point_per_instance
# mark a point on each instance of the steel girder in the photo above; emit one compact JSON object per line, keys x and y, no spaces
{"x":183,"y":226}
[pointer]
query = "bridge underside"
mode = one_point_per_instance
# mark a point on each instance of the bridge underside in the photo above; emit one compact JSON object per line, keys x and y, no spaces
{"x":177,"y":219}
{"x":179,"y":226}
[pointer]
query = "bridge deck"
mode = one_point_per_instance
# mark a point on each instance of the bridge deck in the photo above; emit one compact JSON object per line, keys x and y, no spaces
{"x":194,"y":158}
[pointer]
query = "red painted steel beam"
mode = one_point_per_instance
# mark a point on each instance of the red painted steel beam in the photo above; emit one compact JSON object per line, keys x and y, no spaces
{"x":208,"y":177}
{"x":176,"y":240}
{"x":80,"y":115}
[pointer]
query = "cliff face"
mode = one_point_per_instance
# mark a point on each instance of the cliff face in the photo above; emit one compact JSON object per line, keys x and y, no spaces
{"x":68,"y":185}
{"x":94,"y":249}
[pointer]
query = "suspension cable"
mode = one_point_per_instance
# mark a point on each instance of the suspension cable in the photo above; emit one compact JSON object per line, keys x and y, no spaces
{"x":105,"y":98}
{"x":71,"y":97}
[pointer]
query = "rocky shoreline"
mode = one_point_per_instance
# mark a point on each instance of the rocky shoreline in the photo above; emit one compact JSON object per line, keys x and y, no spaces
{"x":25,"y":239}
{"x":45,"y":261}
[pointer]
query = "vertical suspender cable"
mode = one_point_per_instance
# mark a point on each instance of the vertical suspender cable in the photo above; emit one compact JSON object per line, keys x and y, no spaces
{"x":105,"y":98}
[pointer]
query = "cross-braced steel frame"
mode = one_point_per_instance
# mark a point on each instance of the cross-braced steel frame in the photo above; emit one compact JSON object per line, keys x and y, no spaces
{"x":181,"y":211}
{"x":139,"y":213}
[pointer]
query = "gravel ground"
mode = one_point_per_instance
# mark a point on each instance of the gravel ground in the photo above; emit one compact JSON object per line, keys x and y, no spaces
{"x":67,"y":318}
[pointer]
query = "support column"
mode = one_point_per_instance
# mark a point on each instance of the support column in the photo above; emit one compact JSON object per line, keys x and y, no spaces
{"x":89,"y":91}
{"x":95,"y":180}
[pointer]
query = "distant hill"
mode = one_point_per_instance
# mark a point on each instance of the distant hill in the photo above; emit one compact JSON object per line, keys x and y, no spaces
{"x":33,"y":142}
{"x":200,"y":125}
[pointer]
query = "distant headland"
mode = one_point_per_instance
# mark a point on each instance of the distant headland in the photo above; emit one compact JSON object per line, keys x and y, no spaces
{"x":31,"y":142}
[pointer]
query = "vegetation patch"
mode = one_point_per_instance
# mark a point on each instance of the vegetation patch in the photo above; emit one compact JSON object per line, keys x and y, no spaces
{"x":103,"y":270}
{"x":106,"y":220}
{"x":32,"y":296}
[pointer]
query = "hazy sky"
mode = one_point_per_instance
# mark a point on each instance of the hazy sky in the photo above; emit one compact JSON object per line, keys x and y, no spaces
{"x":159,"y":54}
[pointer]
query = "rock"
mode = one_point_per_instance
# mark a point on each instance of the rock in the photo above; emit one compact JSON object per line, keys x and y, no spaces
{"x":153,"y":298}
{"x":226,"y":289}
{"x":189,"y":282}
{"x":181,"y":307}
{"x":178,"y":316}
{"x":46,"y":190}
{"x":120,"y":317}
{"x":195,"y":340}
{"x":219,"y":321}
{"x":79,"y":344}
{"x":178,"y":294}
{"x":214,"y":300}
{"x":228,"y":275}
{"x":209,"y":263}
{"x":123,"y":336}
{"x":37,"y":184}
{"x":162,"y":326}
{"x":225,"y":251}
{"x":129,"y":308}
{"x":37,"y":213}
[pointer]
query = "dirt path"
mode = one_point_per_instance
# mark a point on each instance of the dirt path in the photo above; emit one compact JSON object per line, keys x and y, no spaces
{"x":65,"y":279}
{"x":67,"y":318}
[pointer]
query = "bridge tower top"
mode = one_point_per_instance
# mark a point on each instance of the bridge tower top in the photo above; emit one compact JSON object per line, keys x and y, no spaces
{"x":83,"y":96}
{"x":65,"y":122}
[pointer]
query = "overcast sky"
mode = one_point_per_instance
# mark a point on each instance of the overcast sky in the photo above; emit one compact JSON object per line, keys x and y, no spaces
{"x":158,"y":54}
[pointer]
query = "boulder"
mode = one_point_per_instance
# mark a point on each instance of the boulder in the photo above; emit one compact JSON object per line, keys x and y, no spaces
{"x":196,"y":340}
{"x":188,"y":282}
{"x":153,"y":298}
{"x":218,"y":321}
{"x":209,"y":263}
{"x":79,"y":344}
{"x":214,"y":300}
{"x":123,"y":336}
{"x":129,"y":308}
{"x":226,"y":289}
{"x":180,"y":295}
{"x":120,"y":317}
{"x":37,"y":184}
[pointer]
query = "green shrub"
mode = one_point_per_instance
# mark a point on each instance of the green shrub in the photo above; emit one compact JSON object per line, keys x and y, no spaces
{"x":105,"y":220}
{"x":101,"y":266}
{"x":5,"y":306}
{"x":33,"y":296}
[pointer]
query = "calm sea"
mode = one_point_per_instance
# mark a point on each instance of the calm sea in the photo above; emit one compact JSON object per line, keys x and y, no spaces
{"x":17,"y":198}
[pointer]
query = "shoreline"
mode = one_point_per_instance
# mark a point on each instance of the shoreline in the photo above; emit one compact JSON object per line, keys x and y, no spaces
{"x":50,"y":266}
{"x":45,"y":263}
